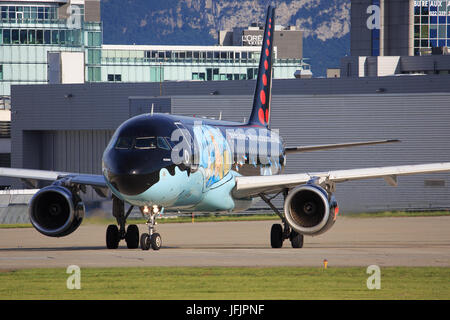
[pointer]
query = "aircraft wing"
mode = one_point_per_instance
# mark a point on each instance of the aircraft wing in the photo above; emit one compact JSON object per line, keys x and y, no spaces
{"x":253,"y":186}
{"x":30,"y":176}
{"x":301,"y":149}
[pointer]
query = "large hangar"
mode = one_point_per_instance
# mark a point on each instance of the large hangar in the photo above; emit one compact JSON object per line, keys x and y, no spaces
{"x":66,"y":127}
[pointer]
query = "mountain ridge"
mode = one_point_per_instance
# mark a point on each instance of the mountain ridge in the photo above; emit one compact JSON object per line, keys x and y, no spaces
{"x":326,"y":24}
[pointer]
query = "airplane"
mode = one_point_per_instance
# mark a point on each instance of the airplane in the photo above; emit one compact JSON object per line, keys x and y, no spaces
{"x":160,"y":162}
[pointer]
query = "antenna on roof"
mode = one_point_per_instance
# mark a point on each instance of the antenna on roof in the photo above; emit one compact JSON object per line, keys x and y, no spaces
{"x":220,"y":115}
{"x":153,"y":105}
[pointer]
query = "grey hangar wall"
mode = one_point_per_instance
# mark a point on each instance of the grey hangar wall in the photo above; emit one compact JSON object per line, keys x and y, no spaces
{"x":66,"y":127}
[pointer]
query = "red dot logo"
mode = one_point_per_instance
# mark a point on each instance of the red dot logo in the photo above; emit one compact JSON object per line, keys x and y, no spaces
{"x":266,"y":65}
{"x":268,"y":42}
{"x":268,"y":33}
{"x":270,"y":20}
{"x":262,"y":97}
{"x":267,"y":115}
{"x":270,"y":26}
{"x":264,"y":79}
{"x":261,"y":115}
{"x":267,"y":52}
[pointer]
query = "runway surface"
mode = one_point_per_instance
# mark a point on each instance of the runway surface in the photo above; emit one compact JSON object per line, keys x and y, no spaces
{"x":416,"y":241}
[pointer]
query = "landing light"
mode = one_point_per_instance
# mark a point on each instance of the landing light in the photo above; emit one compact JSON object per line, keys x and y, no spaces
{"x":146,"y":210}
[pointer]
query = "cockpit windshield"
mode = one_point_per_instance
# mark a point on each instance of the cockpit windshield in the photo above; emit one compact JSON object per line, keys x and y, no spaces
{"x":145,"y":143}
{"x":124,"y":143}
{"x":142,"y":143}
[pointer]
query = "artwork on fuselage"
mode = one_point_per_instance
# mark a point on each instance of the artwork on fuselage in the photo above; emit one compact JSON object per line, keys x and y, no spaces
{"x":213,"y":154}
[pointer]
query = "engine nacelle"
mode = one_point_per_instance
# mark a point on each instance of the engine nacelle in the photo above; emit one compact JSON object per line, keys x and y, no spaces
{"x":55,"y":211}
{"x":309,"y":210}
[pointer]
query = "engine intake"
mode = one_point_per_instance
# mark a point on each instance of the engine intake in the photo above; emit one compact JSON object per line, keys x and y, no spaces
{"x":55,"y":211}
{"x":309,"y":211}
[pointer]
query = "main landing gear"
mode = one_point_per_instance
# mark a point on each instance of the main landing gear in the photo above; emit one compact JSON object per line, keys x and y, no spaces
{"x":279,"y":233}
{"x":116,"y":233}
{"x":152,"y":239}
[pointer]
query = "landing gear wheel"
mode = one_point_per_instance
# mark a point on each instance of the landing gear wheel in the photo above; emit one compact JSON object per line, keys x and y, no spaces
{"x":145,"y":241}
{"x":132,"y":236}
{"x":156,"y":241}
{"x":296,"y":239}
{"x":276,"y":236}
{"x":112,"y":237}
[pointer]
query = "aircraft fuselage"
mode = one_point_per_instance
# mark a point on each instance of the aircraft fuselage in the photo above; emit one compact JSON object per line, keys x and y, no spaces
{"x":187,"y":163}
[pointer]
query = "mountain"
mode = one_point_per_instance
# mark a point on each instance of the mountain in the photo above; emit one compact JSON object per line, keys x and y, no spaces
{"x":326,"y":23}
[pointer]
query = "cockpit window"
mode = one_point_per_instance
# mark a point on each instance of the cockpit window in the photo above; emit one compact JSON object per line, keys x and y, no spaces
{"x":124,"y":143}
{"x":162,"y":144}
{"x":145,"y":143}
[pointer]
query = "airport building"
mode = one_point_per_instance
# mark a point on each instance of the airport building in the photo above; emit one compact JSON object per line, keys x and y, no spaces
{"x":61,"y":41}
{"x":66,"y":127}
{"x":392,"y":37}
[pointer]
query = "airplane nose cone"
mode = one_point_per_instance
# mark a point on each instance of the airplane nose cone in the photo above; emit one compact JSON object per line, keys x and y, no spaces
{"x":132,"y":183}
{"x":131,"y":174}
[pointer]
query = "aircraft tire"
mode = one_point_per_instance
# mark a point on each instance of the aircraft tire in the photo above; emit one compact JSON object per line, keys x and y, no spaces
{"x":276,"y":236}
{"x":112,"y":237}
{"x":145,"y":241}
{"x":296,"y":239}
{"x":132,"y":236}
{"x":156,"y":241}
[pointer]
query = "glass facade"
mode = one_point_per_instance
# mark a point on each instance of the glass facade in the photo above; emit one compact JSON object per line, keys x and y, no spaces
{"x":172,"y":63}
{"x":431,"y":25}
{"x":30,"y":31}
{"x":28,"y":14}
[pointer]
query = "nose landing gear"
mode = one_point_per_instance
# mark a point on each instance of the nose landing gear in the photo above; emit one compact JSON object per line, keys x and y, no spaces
{"x":152,"y":239}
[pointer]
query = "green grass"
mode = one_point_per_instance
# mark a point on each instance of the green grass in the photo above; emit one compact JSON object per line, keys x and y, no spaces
{"x":179,"y":283}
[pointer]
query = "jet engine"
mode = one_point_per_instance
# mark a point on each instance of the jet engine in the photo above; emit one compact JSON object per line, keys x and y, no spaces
{"x":310,"y":210}
{"x":55,"y":211}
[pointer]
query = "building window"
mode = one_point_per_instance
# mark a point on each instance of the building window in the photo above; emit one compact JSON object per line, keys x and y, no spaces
{"x":94,"y":74}
{"x":15,"y":36}
{"x":23,"y":37}
{"x":6,"y":36}
{"x":114,"y":77}
{"x":1,"y":72}
{"x":94,"y":39}
{"x":430,"y":25}
{"x":94,"y":56}
{"x":55,"y":37}
{"x":31,"y":36}
{"x":198,"y":76}
{"x":47,"y":37}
